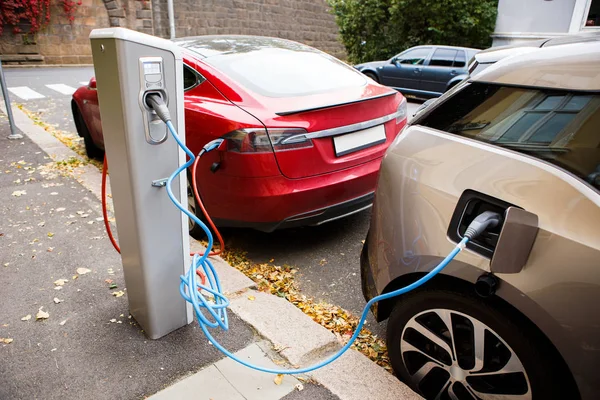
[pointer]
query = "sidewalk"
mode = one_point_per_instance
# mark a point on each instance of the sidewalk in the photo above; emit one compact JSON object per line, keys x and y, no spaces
{"x":56,"y":259}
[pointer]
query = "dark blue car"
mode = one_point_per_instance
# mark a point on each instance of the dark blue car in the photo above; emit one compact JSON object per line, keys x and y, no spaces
{"x":422,"y":71}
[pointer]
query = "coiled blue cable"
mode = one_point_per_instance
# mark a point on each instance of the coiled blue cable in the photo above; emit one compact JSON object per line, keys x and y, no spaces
{"x":217,"y":308}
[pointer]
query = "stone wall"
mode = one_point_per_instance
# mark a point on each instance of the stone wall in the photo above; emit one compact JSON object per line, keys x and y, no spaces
{"x":306,"y":21}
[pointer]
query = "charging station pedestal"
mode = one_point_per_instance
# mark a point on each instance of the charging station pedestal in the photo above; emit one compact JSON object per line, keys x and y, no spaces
{"x":141,"y":154}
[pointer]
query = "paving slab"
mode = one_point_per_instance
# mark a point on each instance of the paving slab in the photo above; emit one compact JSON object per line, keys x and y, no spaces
{"x":303,"y":340}
{"x":208,"y":384}
{"x":253,"y":384}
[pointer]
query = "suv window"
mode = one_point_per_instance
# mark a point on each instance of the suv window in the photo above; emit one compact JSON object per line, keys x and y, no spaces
{"x":460,"y":60}
{"x":559,"y":127}
{"x":414,"y":57}
{"x":443,"y":58}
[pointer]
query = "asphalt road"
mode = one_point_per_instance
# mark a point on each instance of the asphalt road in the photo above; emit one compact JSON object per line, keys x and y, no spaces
{"x":327,"y":256}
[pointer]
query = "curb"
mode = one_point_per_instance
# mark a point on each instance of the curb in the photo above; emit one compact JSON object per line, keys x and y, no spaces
{"x":352,"y":377}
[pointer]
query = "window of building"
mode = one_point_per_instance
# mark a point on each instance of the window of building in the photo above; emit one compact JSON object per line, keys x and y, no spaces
{"x":559,"y":127}
{"x":593,"y":16}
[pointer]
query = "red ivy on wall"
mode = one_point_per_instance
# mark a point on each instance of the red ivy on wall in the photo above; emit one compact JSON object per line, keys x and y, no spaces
{"x":29,"y":16}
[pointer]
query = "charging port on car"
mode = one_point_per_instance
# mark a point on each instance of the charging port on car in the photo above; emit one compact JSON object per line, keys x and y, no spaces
{"x":470,"y":205}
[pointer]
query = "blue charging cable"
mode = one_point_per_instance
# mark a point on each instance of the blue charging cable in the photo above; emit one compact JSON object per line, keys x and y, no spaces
{"x":217,"y":306}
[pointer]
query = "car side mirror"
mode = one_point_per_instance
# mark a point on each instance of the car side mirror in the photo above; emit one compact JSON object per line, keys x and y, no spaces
{"x":92,"y":84}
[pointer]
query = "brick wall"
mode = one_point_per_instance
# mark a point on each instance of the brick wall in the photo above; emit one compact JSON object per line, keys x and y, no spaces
{"x":305,"y":21}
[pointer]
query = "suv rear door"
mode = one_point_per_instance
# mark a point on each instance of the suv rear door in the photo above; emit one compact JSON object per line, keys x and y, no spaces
{"x":445,"y":64}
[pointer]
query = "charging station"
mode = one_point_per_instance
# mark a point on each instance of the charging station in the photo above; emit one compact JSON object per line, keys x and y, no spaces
{"x":153,"y":234}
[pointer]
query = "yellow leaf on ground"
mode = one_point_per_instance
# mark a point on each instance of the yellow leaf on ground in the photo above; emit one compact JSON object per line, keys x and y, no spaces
{"x":6,"y":340}
{"x":26,"y":318}
{"x":61,"y":282}
{"x":83,"y":271}
{"x":42,"y":314}
{"x":19,"y":193}
{"x":251,"y":298}
{"x":278,"y":379}
{"x":118,"y":294}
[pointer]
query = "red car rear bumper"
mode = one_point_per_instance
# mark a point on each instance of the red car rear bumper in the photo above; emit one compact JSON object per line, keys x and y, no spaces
{"x":278,"y":202}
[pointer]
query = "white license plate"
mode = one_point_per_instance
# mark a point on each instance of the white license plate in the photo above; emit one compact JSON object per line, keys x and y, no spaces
{"x":355,"y":141}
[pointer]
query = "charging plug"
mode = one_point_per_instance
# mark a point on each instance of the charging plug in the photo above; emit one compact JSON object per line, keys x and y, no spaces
{"x":483,"y":221}
{"x":155,"y":102}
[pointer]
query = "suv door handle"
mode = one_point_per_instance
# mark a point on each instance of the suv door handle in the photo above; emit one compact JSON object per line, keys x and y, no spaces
{"x":417,"y":70}
{"x":453,"y":72}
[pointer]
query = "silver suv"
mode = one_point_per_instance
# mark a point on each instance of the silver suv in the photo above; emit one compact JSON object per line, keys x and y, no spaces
{"x":515,"y":316}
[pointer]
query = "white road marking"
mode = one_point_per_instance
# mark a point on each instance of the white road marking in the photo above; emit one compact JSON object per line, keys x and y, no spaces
{"x":84,"y":83}
{"x":62,"y":88}
{"x":25,"y":93}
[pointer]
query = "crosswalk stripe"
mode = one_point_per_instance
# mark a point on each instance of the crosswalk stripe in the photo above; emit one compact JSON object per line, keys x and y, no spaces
{"x":62,"y":88}
{"x":25,"y":93}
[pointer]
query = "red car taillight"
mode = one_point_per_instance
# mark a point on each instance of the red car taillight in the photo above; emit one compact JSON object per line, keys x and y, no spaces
{"x":257,"y":140}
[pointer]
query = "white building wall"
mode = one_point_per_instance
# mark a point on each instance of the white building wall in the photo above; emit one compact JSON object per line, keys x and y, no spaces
{"x":520,"y":20}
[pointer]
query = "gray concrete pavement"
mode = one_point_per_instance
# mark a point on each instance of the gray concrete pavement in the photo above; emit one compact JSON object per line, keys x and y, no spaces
{"x":88,"y":346}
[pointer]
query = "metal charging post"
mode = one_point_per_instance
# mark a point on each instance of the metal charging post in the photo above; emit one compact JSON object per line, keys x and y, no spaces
{"x":153,"y":234}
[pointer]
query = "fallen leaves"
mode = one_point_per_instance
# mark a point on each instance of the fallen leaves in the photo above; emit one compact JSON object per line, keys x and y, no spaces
{"x":57,"y":300}
{"x":61,"y":282}
{"x":6,"y":340}
{"x":279,"y":280}
{"x":120,"y":293}
{"x":41,"y":314}
{"x":50,"y":234}
{"x":26,"y":318}
{"x":19,"y":193}
{"x":278,"y":379}
{"x":61,"y":323}
{"x":251,"y":298}
{"x":83,"y":271}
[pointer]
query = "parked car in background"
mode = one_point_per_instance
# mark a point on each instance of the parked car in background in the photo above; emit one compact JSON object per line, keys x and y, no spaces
{"x":305,"y":132}
{"x":488,"y":57}
{"x":515,"y":315}
{"x":422,"y":71}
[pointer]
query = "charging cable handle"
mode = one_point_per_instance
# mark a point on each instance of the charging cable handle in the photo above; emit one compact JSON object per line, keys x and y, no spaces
{"x":484,"y":221}
{"x":156,"y":102}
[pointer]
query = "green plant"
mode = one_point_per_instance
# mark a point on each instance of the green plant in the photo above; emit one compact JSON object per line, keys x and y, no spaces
{"x":378,"y":29}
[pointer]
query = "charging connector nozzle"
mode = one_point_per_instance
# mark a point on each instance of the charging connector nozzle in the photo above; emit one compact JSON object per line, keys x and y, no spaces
{"x":155,"y":102}
{"x":485,"y":220}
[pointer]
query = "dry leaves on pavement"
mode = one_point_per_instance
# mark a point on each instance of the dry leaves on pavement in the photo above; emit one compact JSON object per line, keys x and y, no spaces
{"x":279,"y":281}
{"x":41,"y":314}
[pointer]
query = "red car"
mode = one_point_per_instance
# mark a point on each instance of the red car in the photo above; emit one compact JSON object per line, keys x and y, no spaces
{"x":305,"y":132}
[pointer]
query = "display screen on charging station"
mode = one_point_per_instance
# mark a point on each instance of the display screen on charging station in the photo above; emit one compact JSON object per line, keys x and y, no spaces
{"x":152,"y":68}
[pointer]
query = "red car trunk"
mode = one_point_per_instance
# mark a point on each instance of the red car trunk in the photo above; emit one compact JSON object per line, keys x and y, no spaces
{"x":333,"y":151}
